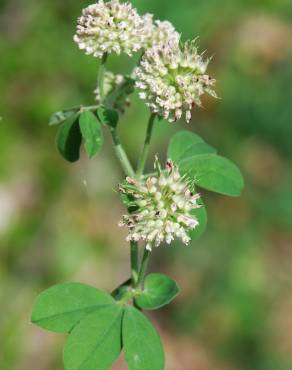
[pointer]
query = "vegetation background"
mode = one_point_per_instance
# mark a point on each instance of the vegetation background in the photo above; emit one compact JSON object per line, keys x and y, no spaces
{"x":58,"y":220}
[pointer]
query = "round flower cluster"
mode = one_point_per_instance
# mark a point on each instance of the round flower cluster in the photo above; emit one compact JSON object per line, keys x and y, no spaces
{"x":111,"y":27}
{"x":172,"y":78}
{"x":163,"y":207}
{"x":160,"y":32}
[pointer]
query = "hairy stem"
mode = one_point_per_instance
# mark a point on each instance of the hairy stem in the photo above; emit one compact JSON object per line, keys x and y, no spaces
{"x":144,"y":265}
{"x":121,"y":154}
{"x":137,"y":275}
{"x":100,"y":80}
{"x":134,"y":263}
{"x":146,"y":146}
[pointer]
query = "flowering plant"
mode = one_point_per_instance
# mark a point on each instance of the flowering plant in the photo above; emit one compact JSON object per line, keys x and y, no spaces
{"x":171,"y":77}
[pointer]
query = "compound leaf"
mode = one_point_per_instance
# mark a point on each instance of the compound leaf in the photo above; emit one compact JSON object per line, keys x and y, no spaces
{"x":142,"y":344}
{"x":95,"y":343}
{"x":91,"y":132}
{"x":69,"y":139}
{"x":159,"y":290}
{"x":214,"y":173}
{"x":62,"y":306}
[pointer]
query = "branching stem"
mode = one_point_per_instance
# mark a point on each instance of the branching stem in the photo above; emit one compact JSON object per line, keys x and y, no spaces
{"x":121,"y":154}
{"x":143,"y":269}
{"x":146,"y":146}
{"x":134,"y":263}
{"x":100,"y":81}
{"x":137,"y":274}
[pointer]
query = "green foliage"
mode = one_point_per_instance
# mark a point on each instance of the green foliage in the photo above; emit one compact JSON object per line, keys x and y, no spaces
{"x":69,"y":138}
{"x":108,"y":117}
{"x":142,"y":345}
{"x":198,"y":161}
{"x":117,"y":99}
{"x":95,"y":343}
{"x":62,"y":306}
{"x":159,"y":290}
{"x":99,"y":326}
{"x":75,"y":126}
{"x":91,"y":132}
{"x":214,"y":173}
{"x":255,"y":112}
{"x":61,"y":116}
{"x":121,"y":290}
{"x":185,"y":144}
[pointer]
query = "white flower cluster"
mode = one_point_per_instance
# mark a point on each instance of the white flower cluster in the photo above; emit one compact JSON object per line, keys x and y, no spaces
{"x":114,"y":27}
{"x":160,"y":32}
{"x":172,"y":78}
{"x":111,"y":27}
{"x":163,"y":206}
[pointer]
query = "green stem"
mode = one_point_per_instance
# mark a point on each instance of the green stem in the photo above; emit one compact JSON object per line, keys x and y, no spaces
{"x":144,"y":265}
{"x":134,"y":263}
{"x":100,"y":81}
{"x":121,"y":154}
{"x":146,"y":146}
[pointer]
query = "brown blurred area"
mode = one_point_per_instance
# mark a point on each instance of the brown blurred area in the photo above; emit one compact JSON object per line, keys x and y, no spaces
{"x":58,"y":221}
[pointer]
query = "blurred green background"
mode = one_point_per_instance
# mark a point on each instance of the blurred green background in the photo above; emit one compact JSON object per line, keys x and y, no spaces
{"x":58,"y":220}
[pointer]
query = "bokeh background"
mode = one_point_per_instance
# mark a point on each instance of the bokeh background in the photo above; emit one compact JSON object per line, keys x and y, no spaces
{"x":58,"y":220}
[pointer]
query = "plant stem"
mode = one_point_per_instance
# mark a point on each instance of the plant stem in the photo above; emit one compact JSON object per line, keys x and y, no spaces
{"x":146,"y":146}
{"x":100,"y":81}
{"x":134,"y":263}
{"x":122,"y":156}
{"x":144,"y":265}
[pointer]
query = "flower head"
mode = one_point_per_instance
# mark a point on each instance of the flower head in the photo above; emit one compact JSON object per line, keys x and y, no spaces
{"x":163,"y":207}
{"x":160,"y":32}
{"x":111,"y":27}
{"x":172,"y":78}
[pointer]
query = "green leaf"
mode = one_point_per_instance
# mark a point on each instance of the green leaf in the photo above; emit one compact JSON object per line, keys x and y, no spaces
{"x":60,"y":307}
{"x":61,"y":116}
{"x":186,"y":144}
{"x":91,"y":132}
{"x":142,"y":344}
{"x":158,"y":291}
{"x":214,"y":173}
{"x":201,"y":216}
{"x":69,"y":139}
{"x":109,"y":117}
{"x":95,"y":343}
